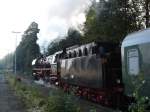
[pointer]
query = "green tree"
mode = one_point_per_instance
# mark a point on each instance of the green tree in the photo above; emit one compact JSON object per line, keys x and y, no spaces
{"x":147,"y":12}
{"x":53,"y":47}
{"x":7,"y":62}
{"x":110,"y":20}
{"x":141,"y":102}
{"x":142,"y":10}
{"x":28,"y":49}
{"x":72,"y":38}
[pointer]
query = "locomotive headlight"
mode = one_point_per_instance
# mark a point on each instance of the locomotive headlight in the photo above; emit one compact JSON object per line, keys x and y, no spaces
{"x":118,"y":81}
{"x":34,"y":73}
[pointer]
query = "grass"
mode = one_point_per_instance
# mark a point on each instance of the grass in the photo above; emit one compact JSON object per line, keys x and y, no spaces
{"x":141,"y":103}
{"x":35,"y":101}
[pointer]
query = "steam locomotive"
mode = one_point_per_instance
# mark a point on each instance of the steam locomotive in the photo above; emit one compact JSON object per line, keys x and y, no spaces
{"x":41,"y":68}
{"x":101,"y":71}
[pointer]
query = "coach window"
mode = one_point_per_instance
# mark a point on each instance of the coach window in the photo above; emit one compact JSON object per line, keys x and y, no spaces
{"x":85,"y":51}
{"x":74,"y":54}
{"x":66,"y":56}
{"x":93,"y":50}
{"x":70,"y":55}
{"x":133,"y":61}
{"x":80,"y":52}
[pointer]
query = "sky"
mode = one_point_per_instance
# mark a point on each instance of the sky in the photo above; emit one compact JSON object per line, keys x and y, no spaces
{"x":54,"y":17}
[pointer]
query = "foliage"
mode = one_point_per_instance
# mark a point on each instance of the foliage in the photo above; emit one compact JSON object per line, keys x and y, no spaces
{"x":28,"y":49}
{"x":142,"y":9}
{"x":141,"y":102}
{"x":90,"y":27}
{"x":72,"y":38}
{"x":7,"y":62}
{"x":60,"y":102}
{"x":34,"y":100}
{"x":111,"y":20}
{"x":92,"y":110}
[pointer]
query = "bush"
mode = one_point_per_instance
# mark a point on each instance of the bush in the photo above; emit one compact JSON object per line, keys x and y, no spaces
{"x":60,"y":102}
{"x":141,"y":102}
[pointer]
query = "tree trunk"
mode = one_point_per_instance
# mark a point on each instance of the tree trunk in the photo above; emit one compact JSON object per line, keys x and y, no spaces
{"x":147,"y":3}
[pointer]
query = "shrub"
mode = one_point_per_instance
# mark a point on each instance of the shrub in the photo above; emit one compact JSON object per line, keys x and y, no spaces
{"x":60,"y":102}
{"x":141,"y":102}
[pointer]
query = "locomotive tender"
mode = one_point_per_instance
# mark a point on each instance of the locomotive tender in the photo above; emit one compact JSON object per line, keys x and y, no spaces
{"x":89,"y":66}
{"x":103,"y":72}
{"x":92,"y":70}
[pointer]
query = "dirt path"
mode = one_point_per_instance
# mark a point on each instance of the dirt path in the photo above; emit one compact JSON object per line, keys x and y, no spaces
{"x":8,"y":101}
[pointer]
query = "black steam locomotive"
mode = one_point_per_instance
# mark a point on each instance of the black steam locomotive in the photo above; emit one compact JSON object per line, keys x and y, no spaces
{"x":102,"y":72}
{"x":92,"y":71}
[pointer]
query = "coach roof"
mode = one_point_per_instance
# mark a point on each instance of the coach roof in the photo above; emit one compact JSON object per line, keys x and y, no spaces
{"x":140,"y":37}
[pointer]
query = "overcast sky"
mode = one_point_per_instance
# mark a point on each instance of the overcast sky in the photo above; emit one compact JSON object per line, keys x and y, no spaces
{"x":53,"y":16}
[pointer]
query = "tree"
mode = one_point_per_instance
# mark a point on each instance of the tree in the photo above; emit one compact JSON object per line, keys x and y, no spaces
{"x":7,"y":62}
{"x":28,"y":49}
{"x":147,"y":12}
{"x":110,"y":20}
{"x":72,"y":38}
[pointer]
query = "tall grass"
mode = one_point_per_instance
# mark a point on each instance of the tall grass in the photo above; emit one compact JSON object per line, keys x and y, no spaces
{"x":35,"y":101}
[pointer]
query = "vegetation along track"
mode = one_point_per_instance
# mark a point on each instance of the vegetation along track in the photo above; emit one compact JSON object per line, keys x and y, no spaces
{"x":50,"y":99}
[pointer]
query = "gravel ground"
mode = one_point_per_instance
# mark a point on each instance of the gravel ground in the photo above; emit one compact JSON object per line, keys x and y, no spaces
{"x":8,"y":101}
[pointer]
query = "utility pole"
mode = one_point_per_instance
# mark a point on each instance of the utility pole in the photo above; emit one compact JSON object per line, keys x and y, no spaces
{"x":15,"y":49}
